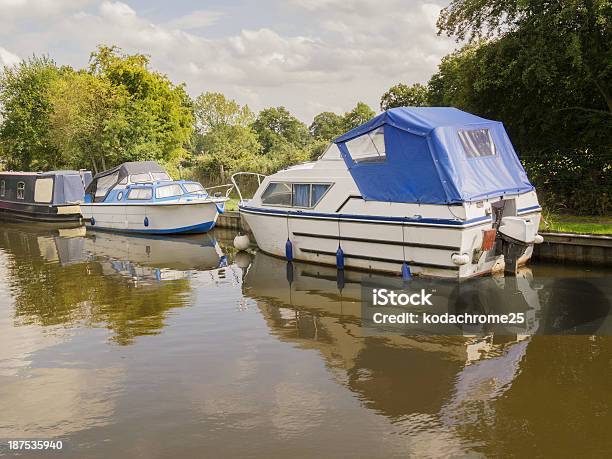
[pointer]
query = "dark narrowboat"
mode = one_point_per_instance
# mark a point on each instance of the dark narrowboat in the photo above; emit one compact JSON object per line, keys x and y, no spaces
{"x":43,"y":196}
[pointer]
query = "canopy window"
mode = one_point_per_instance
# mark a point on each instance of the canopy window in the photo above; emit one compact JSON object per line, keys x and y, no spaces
{"x":477,"y":142}
{"x":368,"y":147}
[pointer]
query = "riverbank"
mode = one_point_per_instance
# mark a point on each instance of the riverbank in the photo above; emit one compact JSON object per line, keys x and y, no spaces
{"x":574,"y":224}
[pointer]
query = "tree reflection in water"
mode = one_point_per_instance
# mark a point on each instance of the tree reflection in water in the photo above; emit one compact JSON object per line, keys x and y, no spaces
{"x":124,"y":283}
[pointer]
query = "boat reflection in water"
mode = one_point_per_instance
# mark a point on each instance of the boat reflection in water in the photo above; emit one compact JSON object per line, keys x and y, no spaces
{"x":66,"y":277}
{"x":431,"y":385}
{"x":308,"y":307}
{"x":158,"y":258}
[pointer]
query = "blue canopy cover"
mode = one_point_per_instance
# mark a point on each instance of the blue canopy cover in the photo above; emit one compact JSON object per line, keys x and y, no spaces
{"x":432,"y":155}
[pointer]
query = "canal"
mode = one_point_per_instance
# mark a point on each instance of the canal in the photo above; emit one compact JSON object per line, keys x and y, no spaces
{"x":137,"y":347}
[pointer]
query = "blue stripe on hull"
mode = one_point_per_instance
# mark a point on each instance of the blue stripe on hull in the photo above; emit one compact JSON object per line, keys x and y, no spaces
{"x":419,"y":221}
{"x":193,"y":229}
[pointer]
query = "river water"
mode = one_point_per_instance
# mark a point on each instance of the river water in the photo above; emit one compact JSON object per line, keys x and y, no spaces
{"x":134,"y":347}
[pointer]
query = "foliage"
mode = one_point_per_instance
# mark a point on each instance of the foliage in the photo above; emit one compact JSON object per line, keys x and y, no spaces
{"x":156,"y":121}
{"x":24,"y":109}
{"x":544,"y":69}
{"x":357,"y":116}
{"x":327,"y":125}
{"x":402,"y":95}
{"x":276,"y":126}
{"x":118,"y":110}
{"x":213,"y":109}
{"x":224,"y":139}
{"x":84,"y":110}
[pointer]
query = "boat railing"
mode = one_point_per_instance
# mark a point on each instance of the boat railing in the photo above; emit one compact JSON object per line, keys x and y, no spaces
{"x":229,"y":187}
{"x":233,"y":178}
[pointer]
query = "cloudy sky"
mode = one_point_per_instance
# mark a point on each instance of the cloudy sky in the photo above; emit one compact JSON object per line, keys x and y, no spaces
{"x":308,"y":55}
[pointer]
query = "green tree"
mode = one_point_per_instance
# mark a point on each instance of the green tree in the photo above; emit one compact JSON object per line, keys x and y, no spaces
{"x":326,"y":126}
{"x":213,"y":109}
{"x":357,"y":116}
{"x":224,"y":139}
{"x":156,"y":122}
{"x":402,"y":95}
{"x":276,"y":126}
{"x":24,"y":113}
{"x":544,"y":69}
{"x":84,"y":107}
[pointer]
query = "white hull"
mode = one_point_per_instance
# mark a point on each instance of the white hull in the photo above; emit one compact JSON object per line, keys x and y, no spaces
{"x":380,"y":245}
{"x":155,"y":218}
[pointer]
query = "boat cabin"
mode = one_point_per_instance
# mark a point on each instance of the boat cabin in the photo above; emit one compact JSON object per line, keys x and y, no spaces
{"x":44,"y":196}
{"x":139,"y":182}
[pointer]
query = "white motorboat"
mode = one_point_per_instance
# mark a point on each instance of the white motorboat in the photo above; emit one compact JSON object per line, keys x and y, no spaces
{"x":140,"y":197}
{"x":430,"y":191}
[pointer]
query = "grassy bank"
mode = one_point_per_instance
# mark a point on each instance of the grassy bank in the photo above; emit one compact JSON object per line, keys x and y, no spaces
{"x":564,"y":223}
{"x":232,"y":204}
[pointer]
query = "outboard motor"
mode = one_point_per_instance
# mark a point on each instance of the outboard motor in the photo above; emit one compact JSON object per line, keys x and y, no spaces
{"x":517,"y":234}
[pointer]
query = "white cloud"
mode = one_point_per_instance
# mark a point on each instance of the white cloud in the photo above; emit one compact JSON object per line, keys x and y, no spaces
{"x":341,"y":52}
{"x":7,"y":58}
{"x":196,"y":20}
{"x":15,"y":9}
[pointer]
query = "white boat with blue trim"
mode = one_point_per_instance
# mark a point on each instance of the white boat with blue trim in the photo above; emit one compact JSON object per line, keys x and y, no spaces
{"x":141,"y":197}
{"x":431,"y":191}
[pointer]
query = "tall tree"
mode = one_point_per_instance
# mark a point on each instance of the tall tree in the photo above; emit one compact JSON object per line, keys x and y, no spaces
{"x":326,"y":126}
{"x":24,"y":113}
{"x":357,"y":116}
{"x":578,"y":31}
{"x":275,"y":125}
{"x":544,"y":69}
{"x":84,"y":107}
{"x":213,"y":109}
{"x":157,"y":121}
{"x":225,"y":141}
{"x":402,"y":95}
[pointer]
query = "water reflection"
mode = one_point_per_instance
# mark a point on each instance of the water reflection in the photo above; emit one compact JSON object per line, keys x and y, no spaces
{"x":446,"y":392}
{"x":313,"y":311}
{"x":124,"y":283}
{"x":248,"y":358}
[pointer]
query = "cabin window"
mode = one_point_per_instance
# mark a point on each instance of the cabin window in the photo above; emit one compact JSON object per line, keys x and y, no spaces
{"x":194,"y":188}
{"x":301,"y":195}
{"x":277,"y":194}
{"x":2,"y":188}
{"x":369,"y":147}
{"x":43,"y":190}
{"x":158,"y":176}
{"x":140,"y":194}
{"x":168,"y":191}
{"x":308,"y":194}
{"x":20,"y":190}
{"x":318,"y":191}
{"x":305,"y":195}
{"x":477,"y":142}
{"x":139,"y":178}
{"x":104,"y":184}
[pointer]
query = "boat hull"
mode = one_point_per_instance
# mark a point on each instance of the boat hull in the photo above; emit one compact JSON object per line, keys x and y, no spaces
{"x":160,"y":218}
{"x":40,"y":212}
{"x":381,"y":244}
